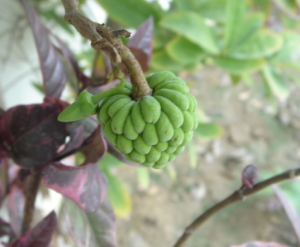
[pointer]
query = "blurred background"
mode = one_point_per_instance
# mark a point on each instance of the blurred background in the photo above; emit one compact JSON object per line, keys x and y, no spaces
{"x":241,"y":60}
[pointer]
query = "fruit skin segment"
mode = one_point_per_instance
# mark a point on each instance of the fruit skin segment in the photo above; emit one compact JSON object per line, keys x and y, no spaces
{"x":153,"y":130}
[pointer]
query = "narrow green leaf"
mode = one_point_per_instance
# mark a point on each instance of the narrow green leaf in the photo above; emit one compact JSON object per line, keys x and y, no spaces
{"x":242,"y":31}
{"x":209,"y":131}
{"x":118,"y":195}
{"x":162,"y":61}
{"x":276,"y":82}
{"x":213,"y":9}
{"x":262,"y":44}
{"x":235,"y":14}
{"x":289,"y":54}
{"x":193,"y":27}
{"x":131,"y":13}
{"x":192,"y":154}
{"x":184,"y":51}
{"x":143,"y":177}
{"x":236,"y":66}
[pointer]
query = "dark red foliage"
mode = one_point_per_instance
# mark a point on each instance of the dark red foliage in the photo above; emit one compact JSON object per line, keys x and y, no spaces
{"x":31,"y":134}
{"x":53,"y":71}
{"x":85,"y":185}
{"x":40,"y":235}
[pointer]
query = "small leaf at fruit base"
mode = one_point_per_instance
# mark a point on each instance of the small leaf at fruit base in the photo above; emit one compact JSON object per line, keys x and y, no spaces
{"x":259,"y":244}
{"x":40,"y":235}
{"x":193,"y":27}
{"x":209,"y":131}
{"x":184,"y":51}
{"x":85,"y":185}
{"x":53,"y":71}
{"x":143,"y":178}
{"x":289,"y":209}
{"x":276,"y":82}
{"x":249,"y":176}
{"x":238,"y":66}
{"x":32,"y":134}
{"x":16,"y":204}
{"x":89,"y":229}
{"x":142,"y":40}
{"x":264,"y":43}
{"x":118,"y":195}
{"x":192,"y":154}
{"x":94,"y":147}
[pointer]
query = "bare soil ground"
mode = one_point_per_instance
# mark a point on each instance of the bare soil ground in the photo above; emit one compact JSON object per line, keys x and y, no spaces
{"x":253,"y":134}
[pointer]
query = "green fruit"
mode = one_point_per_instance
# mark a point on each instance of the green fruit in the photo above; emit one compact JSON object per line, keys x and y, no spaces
{"x":117,"y":105}
{"x":150,"y":109}
{"x":140,"y":146}
{"x":124,"y":145}
{"x":179,"y":99}
{"x":149,"y":134}
{"x":164,"y":128}
{"x":109,"y":134}
{"x":159,"y":77}
{"x":118,"y":120}
{"x":154,"y":129}
{"x":102,"y":114}
{"x":129,"y":131}
{"x":137,"y":119}
{"x":153,"y":155}
{"x":174,"y":114}
{"x":161,"y":146}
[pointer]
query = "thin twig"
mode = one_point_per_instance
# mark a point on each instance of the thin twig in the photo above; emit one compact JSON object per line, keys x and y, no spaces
{"x":236,"y":196}
{"x":32,"y":187}
{"x":103,"y":38}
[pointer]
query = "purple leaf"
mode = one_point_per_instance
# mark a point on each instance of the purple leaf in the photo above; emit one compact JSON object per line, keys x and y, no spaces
{"x":119,"y":156}
{"x":16,"y":204}
{"x":32,"y":134}
{"x":259,"y":244}
{"x":289,"y":210}
{"x":40,"y":235}
{"x":142,"y":39}
{"x":72,"y":62}
{"x":85,"y":185}
{"x":5,"y":229}
{"x":76,"y":140}
{"x":249,"y":176}
{"x":95,"y":229}
{"x":94,"y":147}
{"x":53,"y":71}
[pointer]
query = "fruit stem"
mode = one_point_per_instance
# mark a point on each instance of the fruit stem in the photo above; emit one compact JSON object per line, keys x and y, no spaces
{"x":107,"y":40}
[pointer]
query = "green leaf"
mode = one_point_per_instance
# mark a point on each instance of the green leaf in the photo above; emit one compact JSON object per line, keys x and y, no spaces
{"x":108,"y":161}
{"x":162,"y":61}
{"x":192,"y":154}
{"x":184,"y":51}
{"x":131,"y":13}
{"x":262,"y":44}
{"x":213,"y":9}
{"x":238,"y":26}
{"x":143,"y":177}
{"x":276,"y":82}
{"x":209,"y":131}
{"x":186,"y":5}
{"x":118,"y":195}
{"x":289,"y":54}
{"x":193,"y":27}
{"x":89,"y":229}
{"x":236,"y":66}
{"x":235,"y":14}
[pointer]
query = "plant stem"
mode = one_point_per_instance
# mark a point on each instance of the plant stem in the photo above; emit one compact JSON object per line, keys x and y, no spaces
{"x":103,"y":38}
{"x":31,"y":190}
{"x":234,"y":197}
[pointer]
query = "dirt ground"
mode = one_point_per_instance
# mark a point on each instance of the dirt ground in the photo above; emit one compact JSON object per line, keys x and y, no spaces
{"x":254,"y":133}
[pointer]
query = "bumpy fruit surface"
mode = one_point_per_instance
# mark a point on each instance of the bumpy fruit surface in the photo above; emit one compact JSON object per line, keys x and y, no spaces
{"x":153,"y":130}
